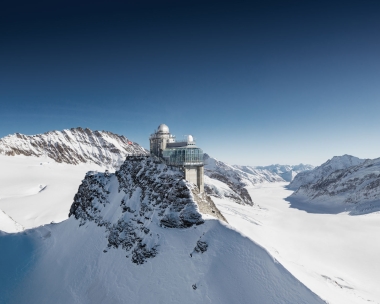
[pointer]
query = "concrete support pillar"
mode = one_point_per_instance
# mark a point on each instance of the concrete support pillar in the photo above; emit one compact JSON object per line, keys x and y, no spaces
{"x":194,"y":174}
{"x":200,"y":179}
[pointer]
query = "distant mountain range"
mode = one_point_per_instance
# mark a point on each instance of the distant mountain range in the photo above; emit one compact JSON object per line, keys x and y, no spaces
{"x":286,"y":172}
{"x":73,"y":146}
{"x":237,"y":178}
{"x":342,"y":183}
{"x":106,"y":149}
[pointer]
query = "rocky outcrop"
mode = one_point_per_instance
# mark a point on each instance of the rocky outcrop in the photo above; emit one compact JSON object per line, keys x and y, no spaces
{"x":131,"y":203}
{"x":73,"y":146}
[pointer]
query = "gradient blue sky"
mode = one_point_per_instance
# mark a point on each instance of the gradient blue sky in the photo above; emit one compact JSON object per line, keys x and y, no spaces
{"x":255,"y":82}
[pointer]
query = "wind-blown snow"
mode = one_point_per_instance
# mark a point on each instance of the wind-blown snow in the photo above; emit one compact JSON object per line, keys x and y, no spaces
{"x":196,"y":259}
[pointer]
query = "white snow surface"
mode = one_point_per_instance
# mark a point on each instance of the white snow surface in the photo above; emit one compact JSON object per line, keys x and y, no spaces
{"x":37,"y":190}
{"x":8,"y":224}
{"x":73,"y":146}
{"x":72,"y":262}
{"x":335,"y":255}
{"x":336,"y":163}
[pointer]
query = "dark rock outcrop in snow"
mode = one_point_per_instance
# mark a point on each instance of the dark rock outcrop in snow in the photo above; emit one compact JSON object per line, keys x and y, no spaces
{"x":73,"y":146}
{"x":144,"y":192}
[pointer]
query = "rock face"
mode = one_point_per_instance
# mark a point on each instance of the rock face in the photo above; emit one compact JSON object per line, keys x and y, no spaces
{"x":336,"y":163}
{"x":73,"y":146}
{"x":144,"y":193}
{"x":355,"y":189}
{"x":287,"y":172}
{"x":236,"y":179}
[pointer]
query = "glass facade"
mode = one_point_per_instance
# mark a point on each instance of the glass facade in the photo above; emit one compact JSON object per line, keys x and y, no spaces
{"x":184,"y":156}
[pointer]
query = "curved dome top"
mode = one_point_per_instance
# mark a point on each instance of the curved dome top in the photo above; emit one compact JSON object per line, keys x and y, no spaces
{"x":162,"y":128}
{"x":190,"y":138}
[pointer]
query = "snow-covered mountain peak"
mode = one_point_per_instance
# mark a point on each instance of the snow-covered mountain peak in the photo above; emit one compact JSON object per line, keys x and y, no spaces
{"x":342,"y":162}
{"x":140,"y":197}
{"x":331,"y":165}
{"x":355,"y":188}
{"x":73,"y":146}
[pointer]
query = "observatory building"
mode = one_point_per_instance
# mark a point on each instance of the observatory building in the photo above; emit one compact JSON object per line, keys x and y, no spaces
{"x":183,"y":154}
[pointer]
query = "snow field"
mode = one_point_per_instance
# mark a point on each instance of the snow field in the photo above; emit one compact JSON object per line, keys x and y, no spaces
{"x":36,"y":191}
{"x":335,"y":255}
{"x":72,"y":268}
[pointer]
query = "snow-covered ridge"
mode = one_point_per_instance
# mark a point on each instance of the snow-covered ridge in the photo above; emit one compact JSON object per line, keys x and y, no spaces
{"x":236,"y":179}
{"x":144,"y":192}
{"x":355,"y":189}
{"x":73,"y":146}
{"x":336,"y":163}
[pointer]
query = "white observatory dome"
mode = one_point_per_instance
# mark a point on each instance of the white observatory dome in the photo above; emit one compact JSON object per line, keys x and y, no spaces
{"x":190,"y":138}
{"x":162,"y":128}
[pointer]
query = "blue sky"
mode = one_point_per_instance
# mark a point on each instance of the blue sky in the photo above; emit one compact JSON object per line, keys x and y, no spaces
{"x":255,"y":82}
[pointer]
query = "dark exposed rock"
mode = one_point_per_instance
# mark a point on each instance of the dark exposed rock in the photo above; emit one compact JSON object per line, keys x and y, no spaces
{"x":201,"y":247}
{"x":150,"y":194}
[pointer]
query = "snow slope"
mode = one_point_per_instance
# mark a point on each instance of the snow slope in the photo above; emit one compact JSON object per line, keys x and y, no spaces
{"x":335,"y":255}
{"x":8,"y":224}
{"x":73,"y":146}
{"x":36,"y":190}
{"x":336,"y":163}
{"x":137,"y":236}
{"x":355,"y":189}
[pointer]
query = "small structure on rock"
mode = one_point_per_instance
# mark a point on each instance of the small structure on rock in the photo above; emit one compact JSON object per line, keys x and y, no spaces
{"x":182,"y":154}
